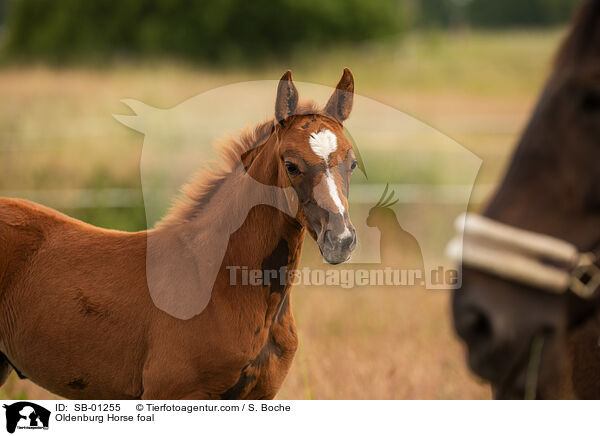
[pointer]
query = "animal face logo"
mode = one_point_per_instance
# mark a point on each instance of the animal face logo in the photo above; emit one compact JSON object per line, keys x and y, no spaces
{"x":26,"y":415}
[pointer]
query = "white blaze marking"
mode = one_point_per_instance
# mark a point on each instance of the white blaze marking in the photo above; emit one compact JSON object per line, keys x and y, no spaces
{"x":333,"y":191}
{"x":323,"y":144}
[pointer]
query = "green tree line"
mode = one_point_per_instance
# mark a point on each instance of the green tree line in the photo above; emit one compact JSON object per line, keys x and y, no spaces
{"x":238,"y":30}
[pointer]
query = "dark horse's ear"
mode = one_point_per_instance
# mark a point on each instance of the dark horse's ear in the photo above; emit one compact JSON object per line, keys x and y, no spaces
{"x":339,"y":105}
{"x":287,"y":97}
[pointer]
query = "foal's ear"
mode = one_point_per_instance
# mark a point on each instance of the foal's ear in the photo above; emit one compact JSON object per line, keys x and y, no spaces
{"x":339,"y":105}
{"x":287,"y":97}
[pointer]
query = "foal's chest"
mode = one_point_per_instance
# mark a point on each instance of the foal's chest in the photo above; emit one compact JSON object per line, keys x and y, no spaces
{"x":276,"y":340}
{"x":262,"y":377}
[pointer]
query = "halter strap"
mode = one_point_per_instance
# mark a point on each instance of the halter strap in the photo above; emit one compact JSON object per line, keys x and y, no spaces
{"x":531,"y":258}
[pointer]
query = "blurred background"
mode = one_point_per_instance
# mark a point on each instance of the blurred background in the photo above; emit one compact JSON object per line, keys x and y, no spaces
{"x":472,"y":69}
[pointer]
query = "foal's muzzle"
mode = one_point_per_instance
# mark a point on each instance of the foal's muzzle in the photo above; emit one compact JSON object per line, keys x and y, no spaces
{"x":337,"y":246}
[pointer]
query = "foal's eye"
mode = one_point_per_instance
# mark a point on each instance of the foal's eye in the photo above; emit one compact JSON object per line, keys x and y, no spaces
{"x":353,"y":166}
{"x":292,"y":168}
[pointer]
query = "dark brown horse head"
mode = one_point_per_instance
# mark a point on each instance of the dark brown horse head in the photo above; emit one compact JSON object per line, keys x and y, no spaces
{"x":518,"y":336}
{"x":317,"y":160}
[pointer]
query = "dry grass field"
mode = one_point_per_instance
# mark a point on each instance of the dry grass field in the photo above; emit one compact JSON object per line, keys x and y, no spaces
{"x":57,"y":133}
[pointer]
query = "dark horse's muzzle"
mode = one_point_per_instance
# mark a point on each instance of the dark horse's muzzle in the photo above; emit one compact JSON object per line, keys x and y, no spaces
{"x":507,"y":328}
{"x":513,"y":308}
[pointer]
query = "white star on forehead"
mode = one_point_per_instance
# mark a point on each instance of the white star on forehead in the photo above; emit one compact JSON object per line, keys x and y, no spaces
{"x":323,"y":143}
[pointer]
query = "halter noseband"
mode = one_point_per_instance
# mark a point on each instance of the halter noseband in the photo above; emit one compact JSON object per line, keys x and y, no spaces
{"x":534,"y":259}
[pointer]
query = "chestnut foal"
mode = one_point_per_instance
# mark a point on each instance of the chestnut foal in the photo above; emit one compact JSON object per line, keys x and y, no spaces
{"x":77,"y":315}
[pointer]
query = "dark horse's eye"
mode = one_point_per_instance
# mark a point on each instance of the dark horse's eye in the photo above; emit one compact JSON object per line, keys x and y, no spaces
{"x":353,"y":166}
{"x":292,"y":169}
{"x":591,"y":101}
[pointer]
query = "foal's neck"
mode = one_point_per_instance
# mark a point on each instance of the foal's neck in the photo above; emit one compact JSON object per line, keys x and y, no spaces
{"x":255,"y":216}
{"x":247,"y":222}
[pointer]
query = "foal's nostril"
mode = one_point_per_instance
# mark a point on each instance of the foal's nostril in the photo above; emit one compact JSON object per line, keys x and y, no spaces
{"x":349,"y":241}
{"x":344,"y":241}
{"x":328,"y":237}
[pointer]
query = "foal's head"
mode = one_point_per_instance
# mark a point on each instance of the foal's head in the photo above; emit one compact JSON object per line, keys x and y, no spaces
{"x":551,"y":187}
{"x":315,"y":158}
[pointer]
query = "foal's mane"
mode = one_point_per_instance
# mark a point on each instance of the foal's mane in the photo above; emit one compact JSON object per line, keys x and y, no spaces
{"x":196,"y":194}
{"x":582,"y":45}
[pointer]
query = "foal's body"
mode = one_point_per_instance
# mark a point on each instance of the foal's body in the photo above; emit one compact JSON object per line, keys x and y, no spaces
{"x":124,"y":346}
{"x":89,"y":313}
